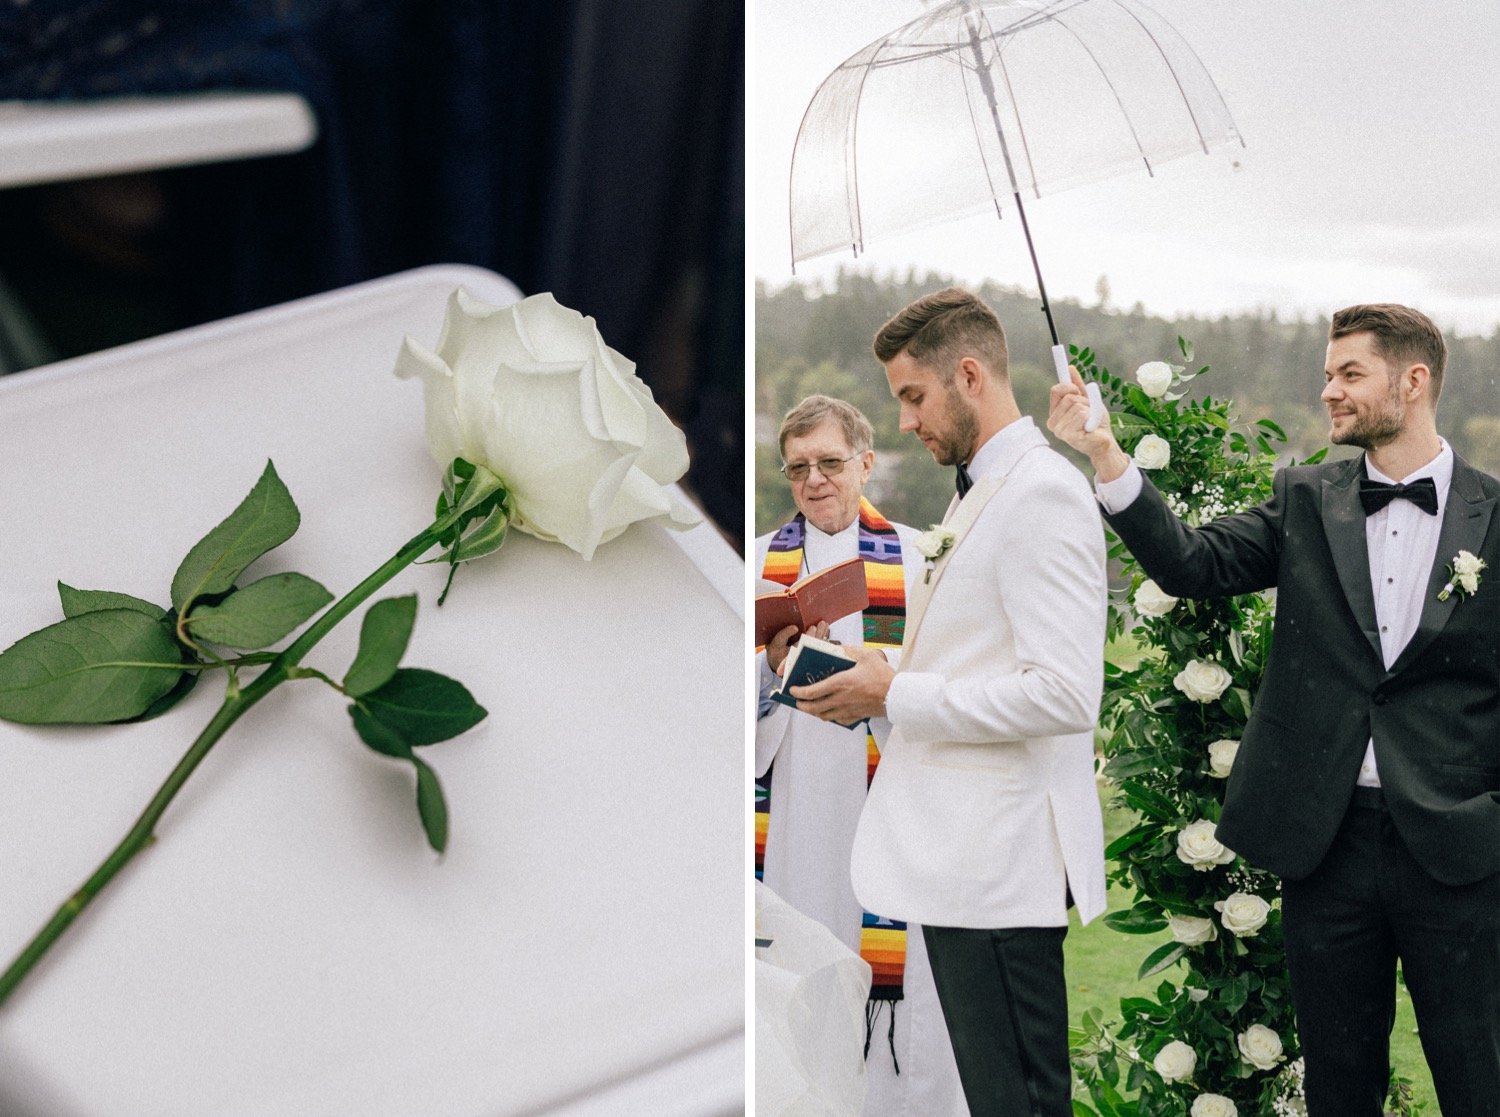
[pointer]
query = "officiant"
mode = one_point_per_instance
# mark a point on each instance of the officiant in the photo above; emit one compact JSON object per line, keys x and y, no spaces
{"x":811,"y":775}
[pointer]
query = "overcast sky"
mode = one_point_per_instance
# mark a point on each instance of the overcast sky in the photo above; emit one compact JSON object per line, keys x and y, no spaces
{"x":1371,"y":170}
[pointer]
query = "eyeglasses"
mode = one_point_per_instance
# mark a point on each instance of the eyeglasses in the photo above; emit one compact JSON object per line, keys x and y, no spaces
{"x":828,"y":467}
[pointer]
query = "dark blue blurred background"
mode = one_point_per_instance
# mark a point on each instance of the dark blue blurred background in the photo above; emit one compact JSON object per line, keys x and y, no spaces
{"x":592,"y":149}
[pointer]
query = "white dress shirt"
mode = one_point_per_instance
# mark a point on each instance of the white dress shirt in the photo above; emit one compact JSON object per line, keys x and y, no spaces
{"x":1402,"y":543}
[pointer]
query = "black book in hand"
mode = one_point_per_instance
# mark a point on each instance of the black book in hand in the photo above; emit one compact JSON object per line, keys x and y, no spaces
{"x":812,"y":660}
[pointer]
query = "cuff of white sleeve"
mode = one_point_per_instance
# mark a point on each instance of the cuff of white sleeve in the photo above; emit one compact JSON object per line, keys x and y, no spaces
{"x":1120,"y":494}
{"x":910,"y":693}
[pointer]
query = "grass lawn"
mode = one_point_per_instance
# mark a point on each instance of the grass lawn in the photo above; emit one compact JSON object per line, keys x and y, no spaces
{"x":1101,"y":966}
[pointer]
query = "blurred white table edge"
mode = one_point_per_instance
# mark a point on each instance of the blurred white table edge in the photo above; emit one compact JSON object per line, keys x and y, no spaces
{"x":50,"y":141}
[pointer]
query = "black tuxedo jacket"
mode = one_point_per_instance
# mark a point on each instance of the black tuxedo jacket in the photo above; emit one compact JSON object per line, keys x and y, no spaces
{"x":1434,"y":716}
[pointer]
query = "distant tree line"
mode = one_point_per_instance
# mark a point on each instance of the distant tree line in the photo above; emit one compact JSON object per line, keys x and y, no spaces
{"x":810,"y":339}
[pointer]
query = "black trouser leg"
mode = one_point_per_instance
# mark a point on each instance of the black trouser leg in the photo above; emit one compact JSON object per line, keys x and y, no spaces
{"x":1005,"y":1002}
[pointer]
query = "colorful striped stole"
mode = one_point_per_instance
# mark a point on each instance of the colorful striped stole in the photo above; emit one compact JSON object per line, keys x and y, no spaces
{"x":882,"y":942}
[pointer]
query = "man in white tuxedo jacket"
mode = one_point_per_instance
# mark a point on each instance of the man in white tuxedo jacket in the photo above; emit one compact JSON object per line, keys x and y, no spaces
{"x":983,"y":820}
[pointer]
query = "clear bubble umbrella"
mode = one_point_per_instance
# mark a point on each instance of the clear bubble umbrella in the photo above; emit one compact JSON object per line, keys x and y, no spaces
{"x":978,"y":103}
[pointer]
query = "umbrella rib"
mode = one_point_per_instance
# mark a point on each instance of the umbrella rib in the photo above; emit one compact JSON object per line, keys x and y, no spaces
{"x":1212,"y":84}
{"x":1020,"y":123}
{"x":1187,"y":104}
{"x":1119,"y":102}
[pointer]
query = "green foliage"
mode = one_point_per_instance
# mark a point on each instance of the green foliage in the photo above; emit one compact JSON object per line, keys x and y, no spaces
{"x":1156,"y":743}
{"x":264,"y":520}
{"x":77,"y":602}
{"x":382,"y":642}
{"x":261,"y":613}
{"x":101,"y":666}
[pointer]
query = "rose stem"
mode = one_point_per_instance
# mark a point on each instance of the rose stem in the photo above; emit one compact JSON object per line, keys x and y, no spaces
{"x":142,"y":833}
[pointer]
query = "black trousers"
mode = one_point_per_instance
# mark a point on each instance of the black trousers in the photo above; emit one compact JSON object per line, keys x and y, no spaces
{"x":1368,"y":904}
{"x":1005,"y":1002}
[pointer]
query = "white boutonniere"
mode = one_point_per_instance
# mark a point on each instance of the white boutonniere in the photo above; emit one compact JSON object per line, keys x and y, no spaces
{"x":1463,"y":575}
{"x":932,"y":544}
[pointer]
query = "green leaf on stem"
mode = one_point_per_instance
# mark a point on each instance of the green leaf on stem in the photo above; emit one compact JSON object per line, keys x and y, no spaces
{"x":98,"y":667}
{"x":383,"y":637}
{"x":430,"y":806}
{"x":1136,"y":921}
{"x":264,"y":520}
{"x":1160,"y":958}
{"x":418,"y":707}
{"x":259,"y":614}
{"x":77,"y":602}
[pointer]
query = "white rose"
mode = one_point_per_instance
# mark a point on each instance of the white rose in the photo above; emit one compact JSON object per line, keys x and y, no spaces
{"x":1175,"y":1061}
{"x":1192,"y":930}
{"x":1467,"y":563}
{"x":1261,"y":1047}
{"x":1198,"y":846}
{"x":1243,"y":914}
{"x":1213,"y":1105}
{"x":932,"y":543}
{"x":1221,"y":756}
{"x":1470,"y":582}
{"x":1154,"y":377}
{"x":1202,"y":681}
{"x":532,"y":393}
{"x":1152,"y":452}
{"x":1150,"y":601}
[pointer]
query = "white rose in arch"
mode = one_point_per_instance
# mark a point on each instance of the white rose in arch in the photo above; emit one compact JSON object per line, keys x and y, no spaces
{"x":1154,"y":377}
{"x":1152,"y":452}
{"x":1243,"y":914}
{"x":1213,"y":1105}
{"x":1175,"y":1061}
{"x":1202,"y":681}
{"x":1221,"y":756}
{"x":1150,"y":601}
{"x":1192,"y":930}
{"x":531,"y":392}
{"x":1261,"y":1047}
{"x":1198,"y":846}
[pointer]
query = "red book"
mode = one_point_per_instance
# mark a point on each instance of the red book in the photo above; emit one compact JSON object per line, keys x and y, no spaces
{"x":825,"y":596}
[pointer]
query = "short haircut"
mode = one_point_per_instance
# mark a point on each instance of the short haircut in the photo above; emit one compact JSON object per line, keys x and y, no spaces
{"x":814,"y":411}
{"x":941,"y":329}
{"x":1402,"y":335}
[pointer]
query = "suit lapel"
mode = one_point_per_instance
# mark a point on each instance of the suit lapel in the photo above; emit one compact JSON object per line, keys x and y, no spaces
{"x":958,"y":520}
{"x":1466,"y":519}
{"x":1344,"y":527}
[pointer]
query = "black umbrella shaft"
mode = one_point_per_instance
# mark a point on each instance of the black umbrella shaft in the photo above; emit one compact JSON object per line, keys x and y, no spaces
{"x":1036,"y":267}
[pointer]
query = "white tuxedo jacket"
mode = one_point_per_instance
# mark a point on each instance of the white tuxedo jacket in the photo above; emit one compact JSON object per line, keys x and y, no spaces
{"x":984,"y":811}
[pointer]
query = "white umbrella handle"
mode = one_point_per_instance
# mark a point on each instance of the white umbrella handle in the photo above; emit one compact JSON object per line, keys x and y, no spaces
{"x":1096,"y":401}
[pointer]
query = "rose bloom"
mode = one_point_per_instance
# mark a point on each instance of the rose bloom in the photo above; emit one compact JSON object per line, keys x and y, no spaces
{"x":1175,"y":1061}
{"x":1154,"y":377}
{"x":1261,"y":1047}
{"x":1202,"y":681}
{"x":1243,"y":914}
{"x":531,"y":393}
{"x":1467,"y":563}
{"x":1197,"y":846}
{"x":932,"y":543}
{"x":1152,"y":452}
{"x":1221,"y":756}
{"x":1150,"y":601}
{"x":1213,"y":1105}
{"x":1192,"y":930}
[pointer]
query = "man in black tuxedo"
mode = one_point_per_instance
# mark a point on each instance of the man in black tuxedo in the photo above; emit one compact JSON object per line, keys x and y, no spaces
{"x":1368,"y":777}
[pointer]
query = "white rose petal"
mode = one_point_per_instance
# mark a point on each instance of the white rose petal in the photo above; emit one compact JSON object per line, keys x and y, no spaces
{"x":1202,"y":681}
{"x":1192,"y":930}
{"x":1196,"y":995}
{"x":1152,"y":452}
{"x":1470,"y":582}
{"x":1213,"y":1105}
{"x":1175,"y":1061}
{"x":1154,"y":377}
{"x":532,"y":393}
{"x":1466,"y":562}
{"x":1150,"y":601}
{"x":1261,"y":1047}
{"x":1198,"y":846}
{"x":1221,"y":756}
{"x":1243,"y":914}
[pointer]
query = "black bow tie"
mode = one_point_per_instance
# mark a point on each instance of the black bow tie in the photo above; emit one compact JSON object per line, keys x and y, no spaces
{"x":962,"y":479}
{"x":1375,"y":495}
